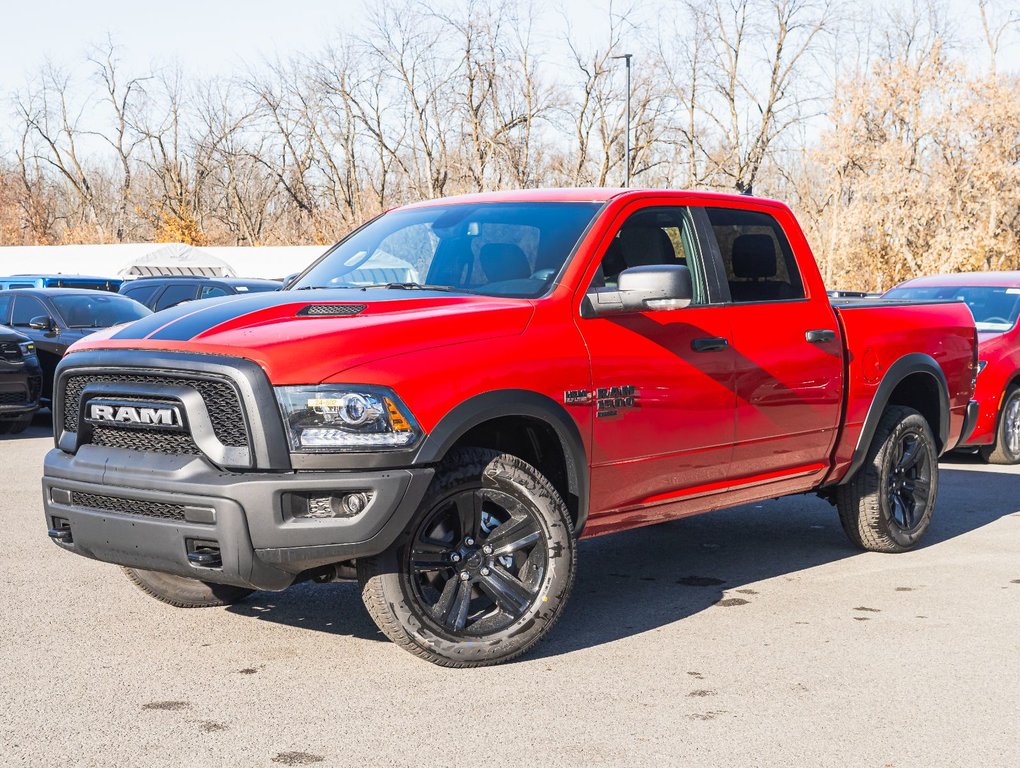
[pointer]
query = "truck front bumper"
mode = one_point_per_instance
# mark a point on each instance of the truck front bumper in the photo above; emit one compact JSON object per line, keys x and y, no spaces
{"x":180,"y":515}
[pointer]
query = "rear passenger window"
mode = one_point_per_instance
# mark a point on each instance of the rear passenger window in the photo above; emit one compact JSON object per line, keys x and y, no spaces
{"x":142,"y":294}
{"x":756,"y":255}
{"x":176,"y":293}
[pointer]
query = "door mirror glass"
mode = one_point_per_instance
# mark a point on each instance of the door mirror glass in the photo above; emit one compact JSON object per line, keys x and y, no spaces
{"x":42,"y":323}
{"x":654,"y":287}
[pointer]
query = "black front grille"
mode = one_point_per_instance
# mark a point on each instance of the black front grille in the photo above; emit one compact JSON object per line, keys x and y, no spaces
{"x":221,"y":401}
{"x":128,"y":506}
{"x":10,"y":351}
{"x":156,"y":440}
{"x":13,"y":398}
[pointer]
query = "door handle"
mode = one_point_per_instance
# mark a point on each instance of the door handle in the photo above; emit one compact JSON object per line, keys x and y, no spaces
{"x":821,"y":336}
{"x":712,"y":344}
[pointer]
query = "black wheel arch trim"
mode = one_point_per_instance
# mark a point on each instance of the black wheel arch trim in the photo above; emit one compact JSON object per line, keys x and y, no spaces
{"x":908,"y":365}
{"x":508,"y":403}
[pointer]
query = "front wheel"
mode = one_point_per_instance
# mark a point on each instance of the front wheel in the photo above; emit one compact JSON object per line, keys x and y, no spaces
{"x":887,"y":506}
{"x":1006,"y":448}
{"x":484,"y":569}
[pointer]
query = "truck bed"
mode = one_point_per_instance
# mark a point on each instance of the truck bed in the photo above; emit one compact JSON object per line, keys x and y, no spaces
{"x":879,"y":332}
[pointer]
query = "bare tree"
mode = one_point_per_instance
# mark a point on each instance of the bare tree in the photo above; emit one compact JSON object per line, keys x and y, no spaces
{"x":126,"y":101}
{"x":756,"y":110}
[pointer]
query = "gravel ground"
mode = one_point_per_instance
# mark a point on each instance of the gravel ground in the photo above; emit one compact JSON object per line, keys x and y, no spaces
{"x":754,"y":636}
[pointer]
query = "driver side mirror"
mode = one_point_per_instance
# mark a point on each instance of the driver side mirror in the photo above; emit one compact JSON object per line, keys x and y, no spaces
{"x":42,"y":323}
{"x":642,"y":289}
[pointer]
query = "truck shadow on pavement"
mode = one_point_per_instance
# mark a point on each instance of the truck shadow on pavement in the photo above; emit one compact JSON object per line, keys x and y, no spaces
{"x":634,"y":582}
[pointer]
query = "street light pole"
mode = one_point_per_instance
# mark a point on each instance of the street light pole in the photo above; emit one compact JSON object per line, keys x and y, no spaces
{"x":627,"y":57}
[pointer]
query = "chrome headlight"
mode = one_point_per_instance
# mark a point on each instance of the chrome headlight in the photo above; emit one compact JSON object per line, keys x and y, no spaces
{"x":343,"y":417}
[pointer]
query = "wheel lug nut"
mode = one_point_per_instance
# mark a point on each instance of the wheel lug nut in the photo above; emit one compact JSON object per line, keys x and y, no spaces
{"x":464,"y":576}
{"x":469,"y":541}
{"x":484,"y":571}
{"x":487,"y":549}
{"x":454,"y":558}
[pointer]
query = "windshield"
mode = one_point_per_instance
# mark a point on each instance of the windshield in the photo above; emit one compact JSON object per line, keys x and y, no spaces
{"x":87,"y":310}
{"x":995,"y":308}
{"x":498,"y":249}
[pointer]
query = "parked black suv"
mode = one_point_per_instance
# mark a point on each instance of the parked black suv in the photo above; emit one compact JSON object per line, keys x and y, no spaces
{"x":20,"y":382}
{"x":170,"y":290}
{"x":55,"y":318}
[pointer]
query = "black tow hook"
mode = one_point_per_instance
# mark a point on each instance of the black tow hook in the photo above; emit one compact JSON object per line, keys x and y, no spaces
{"x":60,"y":535}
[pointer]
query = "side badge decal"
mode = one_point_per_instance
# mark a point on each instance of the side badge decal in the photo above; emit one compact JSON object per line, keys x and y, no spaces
{"x":611,"y":400}
{"x":577,"y":397}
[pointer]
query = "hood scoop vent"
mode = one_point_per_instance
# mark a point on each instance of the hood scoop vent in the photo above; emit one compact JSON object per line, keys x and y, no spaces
{"x":331,"y":310}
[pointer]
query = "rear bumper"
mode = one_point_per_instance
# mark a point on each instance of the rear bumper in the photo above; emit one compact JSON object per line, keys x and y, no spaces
{"x":151,"y":513}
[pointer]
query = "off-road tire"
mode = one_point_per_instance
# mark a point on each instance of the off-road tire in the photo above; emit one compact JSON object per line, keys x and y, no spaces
{"x":15,"y":426}
{"x":864,"y":505}
{"x":387,"y":580}
{"x":182,"y":592}
{"x":999,"y":451}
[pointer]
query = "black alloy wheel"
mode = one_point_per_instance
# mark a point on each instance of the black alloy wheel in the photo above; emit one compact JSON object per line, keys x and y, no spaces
{"x":476,"y":562}
{"x":909,"y":482}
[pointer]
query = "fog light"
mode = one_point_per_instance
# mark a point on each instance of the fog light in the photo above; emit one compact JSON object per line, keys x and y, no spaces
{"x":324,"y":506}
{"x":354,"y":503}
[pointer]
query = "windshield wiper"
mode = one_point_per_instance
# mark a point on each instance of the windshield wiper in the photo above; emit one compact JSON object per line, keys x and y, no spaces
{"x":390,"y":286}
{"x":414,"y":287}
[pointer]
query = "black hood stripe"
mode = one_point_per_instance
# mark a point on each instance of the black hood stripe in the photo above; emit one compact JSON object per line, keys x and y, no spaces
{"x":186,"y":321}
{"x":139,"y":329}
{"x":217,"y":312}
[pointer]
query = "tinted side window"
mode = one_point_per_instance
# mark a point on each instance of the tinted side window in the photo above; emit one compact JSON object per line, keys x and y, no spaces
{"x":25,"y":308}
{"x":661,"y":235}
{"x":142,"y":294}
{"x":5,"y":309}
{"x":175,"y":294}
{"x":211,"y":291}
{"x":756,"y":255}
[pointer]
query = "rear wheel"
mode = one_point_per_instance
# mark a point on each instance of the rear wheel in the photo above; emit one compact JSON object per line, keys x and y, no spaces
{"x":887,"y":506}
{"x":484,"y":569}
{"x":182,"y":592}
{"x":1006,"y":448}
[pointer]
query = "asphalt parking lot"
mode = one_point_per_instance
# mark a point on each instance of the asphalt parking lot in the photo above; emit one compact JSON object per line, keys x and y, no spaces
{"x":754,"y":636}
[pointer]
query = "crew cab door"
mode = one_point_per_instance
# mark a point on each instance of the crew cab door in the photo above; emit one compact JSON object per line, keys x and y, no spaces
{"x":662,"y":381}
{"x":787,"y":346}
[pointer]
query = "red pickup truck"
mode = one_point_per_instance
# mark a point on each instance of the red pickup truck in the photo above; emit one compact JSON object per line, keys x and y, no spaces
{"x":450,"y":397}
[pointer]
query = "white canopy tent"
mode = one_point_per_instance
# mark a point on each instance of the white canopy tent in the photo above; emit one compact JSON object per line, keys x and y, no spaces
{"x":177,"y":259}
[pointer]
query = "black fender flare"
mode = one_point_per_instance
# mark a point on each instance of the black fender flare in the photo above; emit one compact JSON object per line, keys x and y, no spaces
{"x":514,"y":402}
{"x":915,"y":362}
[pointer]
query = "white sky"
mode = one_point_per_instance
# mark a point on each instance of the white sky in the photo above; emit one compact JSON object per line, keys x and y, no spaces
{"x":221,"y":37}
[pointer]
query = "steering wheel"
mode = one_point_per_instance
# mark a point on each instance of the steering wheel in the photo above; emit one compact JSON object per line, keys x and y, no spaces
{"x":996,"y":320}
{"x":543,"y":274}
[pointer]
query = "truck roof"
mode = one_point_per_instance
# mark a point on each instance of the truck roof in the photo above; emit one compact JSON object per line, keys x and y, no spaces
{"x":1007,"y":279}
{"x":578,"y":195}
